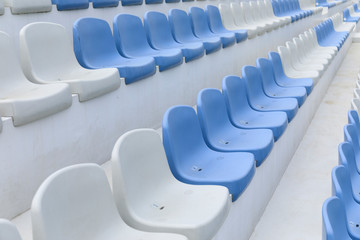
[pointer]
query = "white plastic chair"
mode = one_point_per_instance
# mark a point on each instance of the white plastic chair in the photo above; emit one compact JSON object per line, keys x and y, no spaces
{"x":315,"y":43}
{"x":150,"y":198}
{"x":22,"y":100}
{"x":300,"y":66}
{"x":76,"y":203}
{"x":265,"y":15}
{"x":260,"y":18}
{"x":306,"y":59}
{"x":356,"y":92}
{"x":310,"y":51}
{"x":47,"y":56}
{"x":249,"y":17}
{"x":8,"y":231}
{"x":26,"y":6}
{"x":290,"y":71}
{"x":229,"y":22}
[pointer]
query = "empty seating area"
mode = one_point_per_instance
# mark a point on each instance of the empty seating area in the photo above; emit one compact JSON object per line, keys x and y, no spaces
{"x":160,"y":119}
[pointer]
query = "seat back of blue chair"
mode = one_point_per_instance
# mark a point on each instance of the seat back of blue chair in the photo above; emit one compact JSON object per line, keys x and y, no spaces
{"x":341,"y":185}
{"x":199,"y":22}
{"x":277,"y":64}
{"x":180,"y":24}
{"x":214,"y":18}
{"x":252,"y":77}
{"x":266,"y":69}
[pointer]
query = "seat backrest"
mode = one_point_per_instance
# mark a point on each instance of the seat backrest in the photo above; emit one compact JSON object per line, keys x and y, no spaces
{"x":252,"y":77}
{"x":235,"y":96}
{"x":247,"y":10}
{"x":11,"y":75}
{"x":341,"y":185}
{"x":8,"y":231}
{"x":265,"y":67}
{"x":130,"y":36}
{"x":93,"y":42}
{"x":226,"y":15}
{"x":158,"y":30}
{"x":182,"y":137}
{"x":46,"y":52}
{"x":285,"y":58}
{"x":347,"y":152}
{"x":212,"y":114}
{"x":334,"y":220}
{"x":139,"y":151}
{"x":293,"y":51}
{"x":71,"y":4}
{"x":277,"y":64}
{"x":181,"y":28}
{"x":67,"y":206}
{"x":299,"y":44}
{"x":346,"y":14}
{"x":105,"y":3}
{"x":199,"y":22}
{"x":154,"y":1}
{"x":26,"y":6}
{"x":131,"y":2}
{"x":214,"y":18}
{"x":238,"y":14}
{"x":353,"y":118}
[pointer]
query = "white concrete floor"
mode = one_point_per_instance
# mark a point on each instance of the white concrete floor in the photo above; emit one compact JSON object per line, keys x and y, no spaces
{"x":294,"y":212}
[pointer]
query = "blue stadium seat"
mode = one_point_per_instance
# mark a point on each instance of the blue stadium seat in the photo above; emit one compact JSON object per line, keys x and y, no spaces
{"x":356,"y":8}
{"x":181,"y":28}
{"x":348,"y":18}
{"x":281,"y":10}
{"x":258,"y":99}
{"x":216,"y":25}
{"x":324,"y":3}
{"x":327,"y":36}
{"x":282,"y":80}
{"x":105,"y":3}
{"x":192,"y":161}
{"x":172,"y":1}
{"x":94,"y":48}
{"x":160,"y":37}
{"x":131,"y":2}
{"x":154,"y":1}
{"x":349,"y":157}
{"x":353,"y":119}
{"x":334,"y":220}
{"x":201,"y":27}
{"x":242,"y":115}
{"x":220,"y":135}
{"x":131,"y":42}
{"x":271,"y":88}
{"x":342,"y":189}
{"x":71,"y":4}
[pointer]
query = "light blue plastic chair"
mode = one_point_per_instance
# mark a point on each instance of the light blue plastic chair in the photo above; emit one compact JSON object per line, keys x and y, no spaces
{"x":105,"y":3}
{"x":63,"y":5}
{"x":353,"y":119}
{"x":271,"y":88}
{"x":201,"y":27}
{"x":324,"y":3}
{"x":342,"y":189}
{"x":216,"y":25}
{"x":351,"y":136}
{"x":131,"y":42}
{"x":283,"y":80}
{"x":94,"y":48}
{"x":348,"y":18}
{"x":334,"y":220}
{"x":221,"y":135}
{"x":181,"y":29}
{"x":159,"y":35}
{"x":258,"y":99}
{"x":192,"y":161}
{"x":131,"y":2}
{"x":242,"y":115}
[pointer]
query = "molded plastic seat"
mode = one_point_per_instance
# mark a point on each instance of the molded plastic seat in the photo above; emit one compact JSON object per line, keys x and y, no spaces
{"x":264,"y":13}
{"x":283,"y":80}
{"x":271,"y":89}
{"x":271,"y":12}
{"x":105,"y":3}
{"x":47,"y":56}
{"x":348,"y":18}
{"x":201,"y":27}
{"x":289,"y":69}
{"x":131,"y":42}
{"x":131,"y":2}
{"x":242,"y":115}
{"x":76,"y":202}
{"x":334,"y":220}
{"x":181,"y":29}
{"x":153,"y":200}
{"x":342,"y":189}
{"x":340,"y":26}
{"x":22,"y":100}
{"x":95,"y":48}
{"x":71,"y":4}
{"x":33,"y":6}
{"x":311,"y":34}
{"x":192,"y":161}
{"x":311,"y":49}
{"x":154,"y":1}
{"x":258,"y":99}
{"x":258,"y":17}
{"x":307,"y":57}
{"x":221,"y":135}
{"x":349,"y":157}
{"x":8,"y":230}
{"x":216,"y":26}
{"x":324,"y":3}
{"x":249,"y":18}
{"x":160,"y":37}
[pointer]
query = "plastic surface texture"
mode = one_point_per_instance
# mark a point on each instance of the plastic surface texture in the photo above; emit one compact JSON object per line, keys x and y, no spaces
{"x":47,"y":56}
{"x":95,"y":48}
{"x":156,"y":201}
{"x":77,"y":203}
{"x":192,"y":161}
{"x":8,"y":230}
